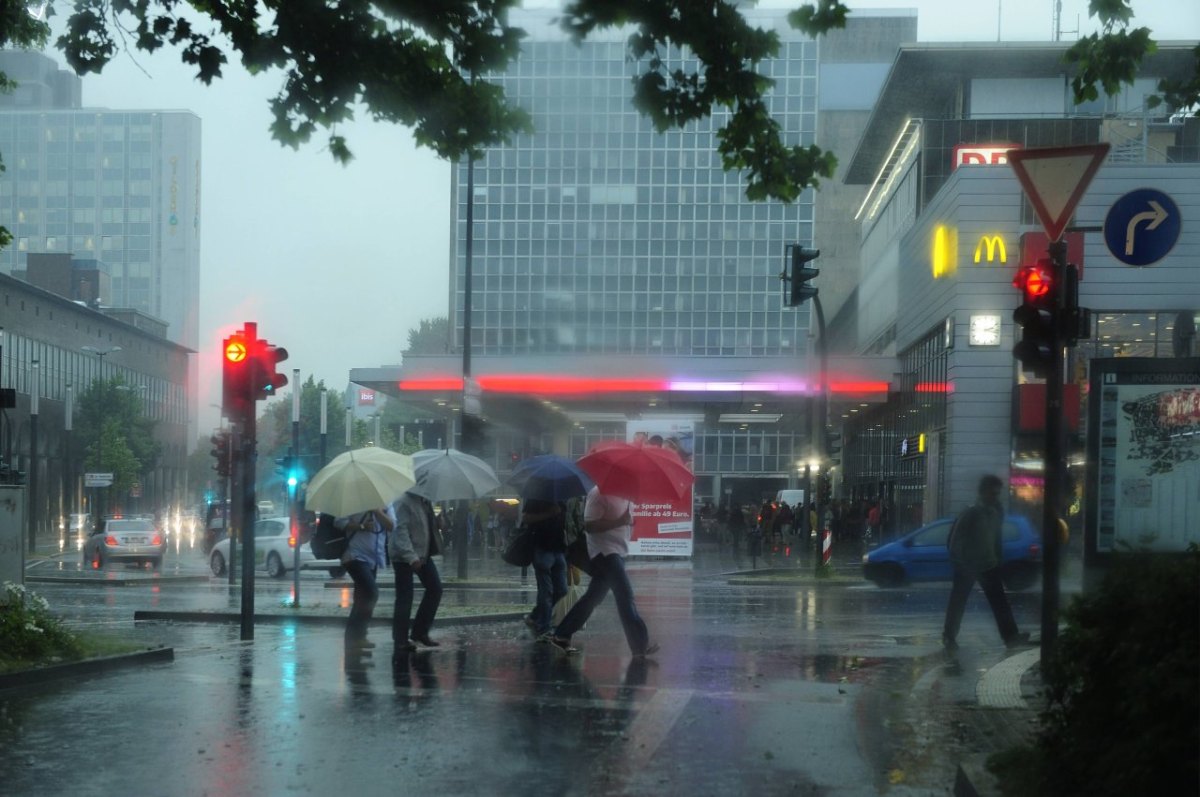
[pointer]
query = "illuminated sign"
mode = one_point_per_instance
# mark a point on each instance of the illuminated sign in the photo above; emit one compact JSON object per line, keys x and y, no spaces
{"x":993,"y":245}
{"x":912,"y":446}
{"x":944,"y":257}
{"x":982,"y":154}
{"x":366,"y":396}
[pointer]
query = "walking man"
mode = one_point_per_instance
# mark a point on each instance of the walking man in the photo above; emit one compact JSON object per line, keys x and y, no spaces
{"x":411,"y":547}
{"x":362,"y":560}
{"x":975,"y":553}
{"x":608,"y":523}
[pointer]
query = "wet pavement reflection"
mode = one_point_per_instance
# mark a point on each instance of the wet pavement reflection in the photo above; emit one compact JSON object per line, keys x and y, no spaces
{"x":804,"y":688}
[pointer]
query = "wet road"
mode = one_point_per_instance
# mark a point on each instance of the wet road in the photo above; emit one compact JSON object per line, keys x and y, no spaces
{"x":820,"y":688}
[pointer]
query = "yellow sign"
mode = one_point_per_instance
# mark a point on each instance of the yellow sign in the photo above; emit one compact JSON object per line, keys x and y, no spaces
{"x":944,"y":257}
{"x":994,"y":245}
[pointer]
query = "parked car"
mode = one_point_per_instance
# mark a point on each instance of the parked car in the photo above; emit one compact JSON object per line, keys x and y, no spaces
{"x":922,"y":555}
{"x":274,"y":551}
{"x":124,"y":539}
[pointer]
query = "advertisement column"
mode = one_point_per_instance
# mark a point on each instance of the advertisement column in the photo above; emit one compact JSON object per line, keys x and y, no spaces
{"x":663,"y":528}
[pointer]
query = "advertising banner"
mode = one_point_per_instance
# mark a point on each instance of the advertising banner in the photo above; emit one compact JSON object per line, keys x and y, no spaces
{"x":663,"y":528}
{"x":1144,"y":455}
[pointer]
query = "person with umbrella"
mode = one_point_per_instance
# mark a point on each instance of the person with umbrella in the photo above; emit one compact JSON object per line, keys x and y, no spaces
{"x":547,"y":521}
{"x":412,"y":548}
{"x":608,"y":524}
{"x":364,"y":556}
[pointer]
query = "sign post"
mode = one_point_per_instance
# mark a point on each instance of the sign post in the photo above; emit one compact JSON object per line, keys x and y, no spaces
{"x":1055,"y":179}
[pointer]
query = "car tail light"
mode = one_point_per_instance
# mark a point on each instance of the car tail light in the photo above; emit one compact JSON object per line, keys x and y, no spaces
{"x":111,"y":540}
{"x":292,"y":540}
{"x":156,"y":539}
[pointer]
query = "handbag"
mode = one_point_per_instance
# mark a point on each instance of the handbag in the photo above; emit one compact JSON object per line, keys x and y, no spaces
{"x":518,"y":551}
{"x":574,"y":593}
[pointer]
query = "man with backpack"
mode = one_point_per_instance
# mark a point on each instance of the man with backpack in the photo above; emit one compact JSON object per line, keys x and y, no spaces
{"x":976,"y":554}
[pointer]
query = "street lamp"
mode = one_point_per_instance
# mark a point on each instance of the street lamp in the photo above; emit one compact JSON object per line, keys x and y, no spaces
{"x":101,"y":354}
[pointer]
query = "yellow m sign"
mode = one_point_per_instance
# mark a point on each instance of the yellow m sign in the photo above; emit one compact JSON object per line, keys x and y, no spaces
{"x":994,"y":245}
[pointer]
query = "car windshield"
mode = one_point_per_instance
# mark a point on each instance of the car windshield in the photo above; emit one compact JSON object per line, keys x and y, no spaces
{"x":130,"y":525}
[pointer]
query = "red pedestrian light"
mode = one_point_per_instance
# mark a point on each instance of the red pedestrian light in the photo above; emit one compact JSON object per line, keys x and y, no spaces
{"x":1034,"y":282}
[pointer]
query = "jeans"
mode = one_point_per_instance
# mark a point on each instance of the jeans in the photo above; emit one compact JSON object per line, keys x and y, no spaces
{"x":993,"y":588}
{"x":608,"y":572}
{"x":550,"y":570}
{"x":432,"y":582}
{"x":366,"y":595}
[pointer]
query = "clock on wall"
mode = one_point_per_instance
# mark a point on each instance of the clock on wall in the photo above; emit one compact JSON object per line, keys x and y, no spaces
{"x":984,"y":330}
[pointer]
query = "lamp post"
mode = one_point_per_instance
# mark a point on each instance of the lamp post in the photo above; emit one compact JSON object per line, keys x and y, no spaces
{"x":35,"y":391}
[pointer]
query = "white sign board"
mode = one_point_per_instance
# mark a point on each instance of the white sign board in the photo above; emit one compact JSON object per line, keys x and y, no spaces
{"x":97,"y":479}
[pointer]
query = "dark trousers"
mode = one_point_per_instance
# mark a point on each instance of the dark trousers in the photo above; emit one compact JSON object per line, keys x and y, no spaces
{"x":608,"y":572}
{"x":993,"y":589}
{"x":432,"y":582}
{"x":366,"y":595}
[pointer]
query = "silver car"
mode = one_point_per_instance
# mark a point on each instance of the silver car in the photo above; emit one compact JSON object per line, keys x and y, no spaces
{"x":124,"y":540}
{"x":274,"y":551}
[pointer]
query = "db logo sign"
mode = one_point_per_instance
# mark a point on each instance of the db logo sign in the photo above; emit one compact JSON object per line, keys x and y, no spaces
{"x":982,"y":154}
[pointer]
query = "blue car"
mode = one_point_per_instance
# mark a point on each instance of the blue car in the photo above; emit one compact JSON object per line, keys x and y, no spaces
{"x":922,"y":555}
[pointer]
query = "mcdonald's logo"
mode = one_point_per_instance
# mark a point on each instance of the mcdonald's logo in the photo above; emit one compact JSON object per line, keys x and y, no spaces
{"x":994,"y":245}
{"x":944,"y":254}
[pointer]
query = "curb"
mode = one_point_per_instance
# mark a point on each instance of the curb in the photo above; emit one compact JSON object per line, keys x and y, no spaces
{"x":316,"y":619}
{"x":117,"y":582}
{"x":85,"y":667}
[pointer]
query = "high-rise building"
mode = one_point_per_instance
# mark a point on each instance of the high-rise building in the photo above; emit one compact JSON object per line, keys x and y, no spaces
{"x":621,"y":275}
{"x":120,"y":187}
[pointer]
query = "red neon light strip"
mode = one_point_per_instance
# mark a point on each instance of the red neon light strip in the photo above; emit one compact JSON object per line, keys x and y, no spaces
{"x":858,"y":387}
{"x":578,"y":385}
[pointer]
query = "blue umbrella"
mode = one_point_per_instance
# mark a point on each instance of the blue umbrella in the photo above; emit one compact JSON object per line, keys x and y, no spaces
{"x":549,"y":477}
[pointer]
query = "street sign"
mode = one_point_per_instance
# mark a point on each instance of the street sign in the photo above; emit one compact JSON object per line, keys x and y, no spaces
{"x":1142,"y":227}
{"x":97,"y":479}
{"x":1055,"y":179}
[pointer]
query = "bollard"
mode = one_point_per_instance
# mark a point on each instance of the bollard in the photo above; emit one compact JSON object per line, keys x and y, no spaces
{"x":826,"y":547}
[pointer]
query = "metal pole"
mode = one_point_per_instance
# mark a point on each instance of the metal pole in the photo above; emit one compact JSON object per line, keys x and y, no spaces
{"x":376,"y":438}
{"x":460,"y":530}
{"x":68,"y":465}
{"x":293,"y":509}
{"x":324,"y":423}
{"x":1055,"y":463}
{"x":248,"y":458}
{"x":35,"y":390}
{"x":349,"y":425}
{"x":822,"y":413}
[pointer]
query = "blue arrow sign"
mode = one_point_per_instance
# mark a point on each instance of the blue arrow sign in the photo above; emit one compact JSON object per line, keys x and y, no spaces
{"x":1142,"y":227}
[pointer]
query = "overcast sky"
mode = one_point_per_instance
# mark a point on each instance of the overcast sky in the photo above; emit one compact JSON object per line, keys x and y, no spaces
{"x":338,"y":263}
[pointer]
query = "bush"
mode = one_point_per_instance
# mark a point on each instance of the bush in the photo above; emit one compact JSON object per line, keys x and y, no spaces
{"x":1123,"y":694}
{"x":29,"y":635}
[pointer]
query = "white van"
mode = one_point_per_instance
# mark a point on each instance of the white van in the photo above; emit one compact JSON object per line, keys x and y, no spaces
{"x":792,"y":498}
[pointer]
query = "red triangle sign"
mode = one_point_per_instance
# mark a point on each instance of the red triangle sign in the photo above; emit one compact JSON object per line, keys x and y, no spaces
{"x":1055,"y":179}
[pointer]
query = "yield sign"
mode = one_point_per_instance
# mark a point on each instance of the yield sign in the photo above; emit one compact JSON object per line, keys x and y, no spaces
{"x":1055,"y":178}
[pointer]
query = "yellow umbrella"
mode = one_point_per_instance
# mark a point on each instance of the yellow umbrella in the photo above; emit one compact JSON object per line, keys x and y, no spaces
{"x":358,"y":481}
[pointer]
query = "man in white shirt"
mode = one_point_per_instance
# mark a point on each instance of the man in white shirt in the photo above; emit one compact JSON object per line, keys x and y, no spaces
{"x":608,"y":522}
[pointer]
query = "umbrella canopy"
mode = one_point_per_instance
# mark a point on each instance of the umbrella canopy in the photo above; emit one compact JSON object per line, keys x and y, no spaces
{"x":549,"y":477}
{"x":358,"y":481}
{"x":638,"y":473}
{"x":451,"y":474}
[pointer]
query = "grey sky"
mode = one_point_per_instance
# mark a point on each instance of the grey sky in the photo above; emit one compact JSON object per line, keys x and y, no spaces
{"x":338,"y":263}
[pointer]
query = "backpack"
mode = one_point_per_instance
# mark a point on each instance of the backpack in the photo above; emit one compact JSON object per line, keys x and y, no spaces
{"x":328,"y":541}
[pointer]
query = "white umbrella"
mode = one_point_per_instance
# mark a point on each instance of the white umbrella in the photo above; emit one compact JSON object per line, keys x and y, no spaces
{"x":451,"y":474}
{"x":360,"y":480}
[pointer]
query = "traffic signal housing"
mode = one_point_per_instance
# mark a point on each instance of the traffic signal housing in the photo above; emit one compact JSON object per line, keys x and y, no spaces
{"x":802,"y":274}
{"x":1037,"y":316}
{"x":220,"y":452}
{"x":266,"y":378}
{"x":236,"y":364}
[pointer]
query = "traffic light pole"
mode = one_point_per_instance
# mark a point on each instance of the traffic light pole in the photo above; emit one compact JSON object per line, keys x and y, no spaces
{"x":248,"y":460}
{"x":293,"y":509}
{"x":1054,"y":465}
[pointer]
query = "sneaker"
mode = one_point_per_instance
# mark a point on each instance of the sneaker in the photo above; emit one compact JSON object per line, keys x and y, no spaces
{"x":1017,"y":640}
{"x":427,"y":642}
{"x":563,"y":644}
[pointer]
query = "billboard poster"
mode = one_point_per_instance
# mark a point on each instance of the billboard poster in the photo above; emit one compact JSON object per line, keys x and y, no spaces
{"x":1144,"y":455}
{"x":663,"y":528}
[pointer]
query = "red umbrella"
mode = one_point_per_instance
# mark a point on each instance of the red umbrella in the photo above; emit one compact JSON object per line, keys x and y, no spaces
{"x":638,"y":473}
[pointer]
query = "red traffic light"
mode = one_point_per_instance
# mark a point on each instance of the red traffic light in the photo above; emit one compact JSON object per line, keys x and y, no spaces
{"x":235,"y":349}
{"x":1035,"y":282}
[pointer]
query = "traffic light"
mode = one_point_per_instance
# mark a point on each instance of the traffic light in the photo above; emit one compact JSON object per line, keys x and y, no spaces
{"x":266,"y":379}
{"x":1076,"y":320}
{"x":1037,"y":316}
{"x":220,"y":452}
{"x":802,"y":274}
{"x":236,"y":364}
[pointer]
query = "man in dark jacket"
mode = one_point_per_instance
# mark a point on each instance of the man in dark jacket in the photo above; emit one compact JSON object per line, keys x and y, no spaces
{"x":976,"y":554}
